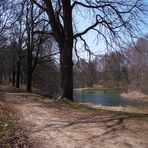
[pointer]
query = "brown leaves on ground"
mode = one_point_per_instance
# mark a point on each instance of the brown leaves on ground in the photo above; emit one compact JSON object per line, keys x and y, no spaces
{"x":11,"y":134}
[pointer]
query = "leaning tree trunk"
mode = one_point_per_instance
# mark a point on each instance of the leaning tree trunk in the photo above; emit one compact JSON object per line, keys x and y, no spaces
{"x":66,"y":72}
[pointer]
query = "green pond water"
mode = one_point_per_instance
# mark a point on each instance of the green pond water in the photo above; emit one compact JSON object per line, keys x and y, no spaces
{"x":106,"y":97}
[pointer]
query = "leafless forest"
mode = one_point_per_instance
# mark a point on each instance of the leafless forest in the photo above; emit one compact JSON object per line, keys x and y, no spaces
{"x":39,"y":45}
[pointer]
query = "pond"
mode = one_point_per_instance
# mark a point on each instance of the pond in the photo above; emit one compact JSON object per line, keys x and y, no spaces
{"x":109,"y":97}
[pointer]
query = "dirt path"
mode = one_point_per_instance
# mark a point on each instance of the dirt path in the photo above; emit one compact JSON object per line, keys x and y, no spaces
{"x":54,"y":125}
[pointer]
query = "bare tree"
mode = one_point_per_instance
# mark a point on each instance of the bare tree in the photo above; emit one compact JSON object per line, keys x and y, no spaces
{"x":114,"y":18}
{"x":6,"y":9}
{"x":36,"y":26}
{"x":137,"y":57}
{"x":86,"y":73}
{"x":18,"y":32}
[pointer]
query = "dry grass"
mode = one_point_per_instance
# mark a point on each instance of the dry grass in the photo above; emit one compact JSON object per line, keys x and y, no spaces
{"x":133,"y":95}
{"x":11,"y":134}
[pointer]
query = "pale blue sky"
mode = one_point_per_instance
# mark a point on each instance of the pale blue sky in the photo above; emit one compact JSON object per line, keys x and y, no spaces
{"x":90,"y":37}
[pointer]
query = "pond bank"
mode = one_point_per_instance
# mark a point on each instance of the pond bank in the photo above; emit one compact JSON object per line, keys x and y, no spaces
{"x":134,"y":95}
{"x":127,"y":109}
{"x":98,"y":88}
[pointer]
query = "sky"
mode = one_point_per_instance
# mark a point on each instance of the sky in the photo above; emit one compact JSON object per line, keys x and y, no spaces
{"x":98,"y":47}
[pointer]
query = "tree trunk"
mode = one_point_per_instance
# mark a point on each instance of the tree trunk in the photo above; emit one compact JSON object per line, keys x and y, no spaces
{"x":13,"y":77}
{"x":29,"y":82}
{"x":66,"y":72}
{"x":1,"y":77}
{"x":21,"y":78}
{"x":30,"y":45}
{"x":29,"y":72}
{"x":10,"y":77}
{"x":18,"y":74}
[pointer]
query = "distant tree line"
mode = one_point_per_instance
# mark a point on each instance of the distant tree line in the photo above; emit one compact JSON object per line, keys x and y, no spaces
{"x":126,"y":68}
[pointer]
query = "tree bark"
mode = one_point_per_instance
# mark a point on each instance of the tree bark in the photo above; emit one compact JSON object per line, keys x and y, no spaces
{"x":1,"y":77}
{"x":9,"y":76}
{"x":30,"y":29}
{"x":29,"y":72}
{"x":29,"y":82}
{"x":66,"y":72}
{"x":21,"y":79}
{"x":13,"y":77}
{"x":18,"y":74}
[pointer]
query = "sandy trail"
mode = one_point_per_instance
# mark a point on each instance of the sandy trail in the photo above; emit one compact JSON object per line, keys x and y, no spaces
{"x":54,"y":125}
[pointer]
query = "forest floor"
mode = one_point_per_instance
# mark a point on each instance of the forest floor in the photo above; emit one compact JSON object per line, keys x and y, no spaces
{"x":50,"y":124}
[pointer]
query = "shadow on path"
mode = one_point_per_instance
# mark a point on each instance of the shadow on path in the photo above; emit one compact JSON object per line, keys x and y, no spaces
{"x":55,"y":125}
